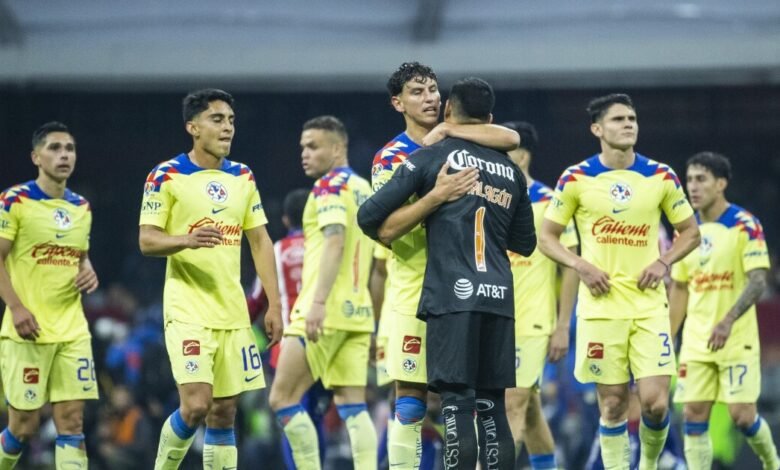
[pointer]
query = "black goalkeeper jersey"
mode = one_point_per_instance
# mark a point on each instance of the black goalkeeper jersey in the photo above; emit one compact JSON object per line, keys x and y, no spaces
{"x":468,"y":268}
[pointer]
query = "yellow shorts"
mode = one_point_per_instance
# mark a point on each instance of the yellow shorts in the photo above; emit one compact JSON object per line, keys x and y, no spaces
{"x":34,"y":374}
{"x":382,"y":378}
{"x":530,"y":357}
{"x":229,"y":360}
{"x":737,"y":381}
{"x":609,"y":351}
{"x":339,"y":358}
{"x":405,"y":350}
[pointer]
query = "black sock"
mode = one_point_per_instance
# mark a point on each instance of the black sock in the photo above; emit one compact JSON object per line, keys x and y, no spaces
{"x":496,"y":445}
{"x":460,"y":440}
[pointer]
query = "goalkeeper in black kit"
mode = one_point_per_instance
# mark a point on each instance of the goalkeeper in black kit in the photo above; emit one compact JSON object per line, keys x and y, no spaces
{"x":468,"y":296}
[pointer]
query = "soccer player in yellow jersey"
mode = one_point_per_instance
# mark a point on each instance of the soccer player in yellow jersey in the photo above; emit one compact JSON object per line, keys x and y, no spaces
{"x":332,"y":320}
{"x":195,"y":209}
{"x":537,"y":337}
{"x":717,"y":287}
{"x":616,"y":198}
{"x":45,"y":345}
{"x":414,"y":92}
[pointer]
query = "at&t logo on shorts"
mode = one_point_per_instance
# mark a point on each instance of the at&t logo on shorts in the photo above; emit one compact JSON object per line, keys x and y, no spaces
{"x":412,"y":344}
{"x":217,"y":192}
{"x":595,"y":350}
{"x":190,"y":347}
{"x":30,"y":375}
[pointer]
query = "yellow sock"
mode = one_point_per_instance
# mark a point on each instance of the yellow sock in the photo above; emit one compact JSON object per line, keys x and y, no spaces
{"x":405,"y":445}
{"x":759,"y":437}
{"x":300,"y":431}
{"x":8,"y":461}
{"x":615,"y":451}
{"x":362,"y":435}
{"x":652,"y":438}
{"x":698,"y":447}
{"x":67,"y":457}
{"x":219,"y":449}
{"x":175,"y":439}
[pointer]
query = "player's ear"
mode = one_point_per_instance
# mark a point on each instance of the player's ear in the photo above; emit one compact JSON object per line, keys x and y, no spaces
{"x":397,"y":103}
{"x":721,"y":184}
{"x":596,"y":129}
{"x":35,"y":158}
{"x":447,"y":109}
{"x":192,"y":128}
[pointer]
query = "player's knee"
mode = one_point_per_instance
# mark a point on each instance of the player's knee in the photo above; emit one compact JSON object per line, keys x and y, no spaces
{"x":533,"y":411}
{"x":656,"y":408}
{"x":24,"y":425}
{"x":409,"y":410}
{"x":614,"y":408}
{"x":743,"y":417}
{"x":222,"y":415}
{"x":72,"y":423}
{"x":195,"y":409}
{"x":516,"y":403}
{"x":696,"y":412}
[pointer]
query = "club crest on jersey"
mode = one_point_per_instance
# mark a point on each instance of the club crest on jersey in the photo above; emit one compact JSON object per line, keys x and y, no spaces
{"x":705,"y":248}
{"x":463,"y":289}
{"x":217,"y":192}
{"x":621,"y":192}
{"x":62,"y":218}
{"x":30,"y":375}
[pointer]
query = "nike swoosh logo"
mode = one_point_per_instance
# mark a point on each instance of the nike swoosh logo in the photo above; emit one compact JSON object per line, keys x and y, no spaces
{"x":249,"y":379}
{"x":662,"y":364}
{"x":60,"y":235}
{"x":618,"y":211}
{"x":88,"y":387}
{"x":217,"y":211}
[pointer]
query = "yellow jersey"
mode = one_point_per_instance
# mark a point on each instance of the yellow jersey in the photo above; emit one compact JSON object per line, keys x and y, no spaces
{"x":203,"y":286}
{"x":50,"y":236}
{"x":716,"y":274}
{"x":618,"y":213}
{"x":334,"y":200}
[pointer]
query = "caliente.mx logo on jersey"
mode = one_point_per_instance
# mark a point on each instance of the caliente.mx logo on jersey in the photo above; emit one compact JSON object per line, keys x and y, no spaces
{"x":217,"y":192}
{"x":62,"y":218}
{"x":621,"y":192}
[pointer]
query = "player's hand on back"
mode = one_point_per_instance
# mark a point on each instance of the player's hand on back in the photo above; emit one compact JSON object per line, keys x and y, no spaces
{"x":595,"y":279}
{"x":437,"y":134}
{"x":86,"y":279}
{"x":25,"y":323}
{"x":652,"y":276}
{"x":273,"y":324}
{"x":315,"y":320}
{"x":204,"y":237}
{"x":451,"y":187}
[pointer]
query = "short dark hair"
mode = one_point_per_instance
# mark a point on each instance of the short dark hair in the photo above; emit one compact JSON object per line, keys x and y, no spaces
{"x":715,"y":163}
{"x":406,"y":72}
{"x":598,"y":107}
{"x":328,"y":123}
{"x":293,"y":205}
{"x":39,"y":136}
{"x":198,"y":101}
{"x":529,"y":138}
{"x":473,"y":97}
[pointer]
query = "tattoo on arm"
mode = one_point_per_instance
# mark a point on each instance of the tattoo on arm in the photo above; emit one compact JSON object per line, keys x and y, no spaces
{"x":752,"y":293}
{"x":332,"y":229}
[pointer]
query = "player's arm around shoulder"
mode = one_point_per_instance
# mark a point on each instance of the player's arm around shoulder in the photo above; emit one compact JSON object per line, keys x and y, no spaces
{"x":262,"y":249}
{"x":24,"y":321}
{"x":490,"y":135}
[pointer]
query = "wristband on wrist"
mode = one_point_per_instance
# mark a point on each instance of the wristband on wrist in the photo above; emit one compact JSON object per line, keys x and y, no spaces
{"x":668,"y":267}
